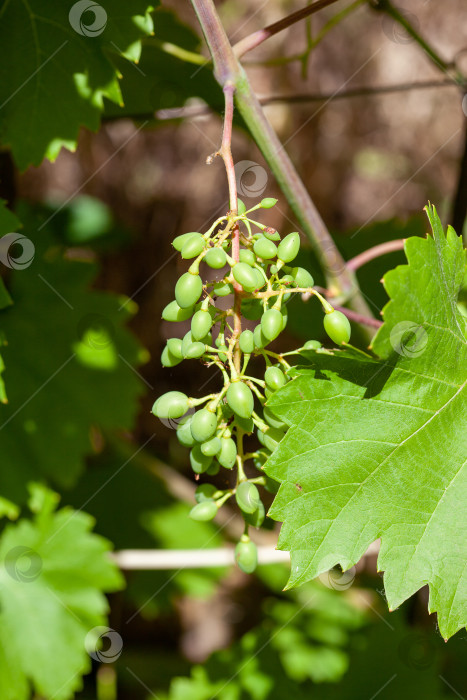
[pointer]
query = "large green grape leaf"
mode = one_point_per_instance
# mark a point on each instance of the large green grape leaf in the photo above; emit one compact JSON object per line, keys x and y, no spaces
{"x":53,"y":571}
{"x":165,"y":77}
{"x":70,"y":367}
{"x":378,"y":448}
{"x":55,"y":68}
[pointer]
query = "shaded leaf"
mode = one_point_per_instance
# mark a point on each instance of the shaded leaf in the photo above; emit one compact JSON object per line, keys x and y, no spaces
{"x":69,"y":364}
{"x":52,"y":575}
{"x":54,"y":79}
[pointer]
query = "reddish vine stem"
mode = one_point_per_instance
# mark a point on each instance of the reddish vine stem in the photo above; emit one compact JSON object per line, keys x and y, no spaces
{"x":359,"y":318}
{"x":226,"y":153}
{"x":253,"y":40}
{"x":375,"y":252}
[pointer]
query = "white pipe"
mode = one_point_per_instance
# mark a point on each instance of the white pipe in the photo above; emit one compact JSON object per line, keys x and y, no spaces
{"x":166,"y":559}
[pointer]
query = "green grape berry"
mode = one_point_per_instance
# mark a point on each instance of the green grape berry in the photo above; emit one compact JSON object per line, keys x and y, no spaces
{"x":215,"y":258}
{"x":247,"y":256}
{"x":205,"y":492}
{"x":175,"y":347}
{"x":312,"y":345}
{"x":271,"y":234}
{"x":222,"y":289}
{"x":302,"y":277}
{"x":270,"y":438}
{"x":272,"y":420}
{"x":173,"y":404}
{"x":246,"y":276}
{"x":187,"y":340}
{"x":240,"y":399}
{"x":246,"y":556}
{"x":271,"y":323}
{"x":223,"y":353}
{"x":268,"y":202}
{"x":256,"y":519}
{"x":247,"y":497}
{"x":206,"y":510}
{"x":188,"y":290}
{"x":289,"y":247}
{"x":337,"y":326}
{"x":180,"y":241}
{"x":247,"y":342}
{"x":184,"y":435}
{"x":203,"y":425}
{"x":201,"y":324}
{"x":274,"y":378}
{"x":260,"y":339}
{"x":227,"y":455}
{"x":199,"y":462}
{"x":213,"y":469}
{"x":252,"y":309}
{"x":241,"y":208}
{"x":246,"y":424}
{"x":195,"y":350}
{"x":265,"y":249}
{"x":193,"y":246}
{"x":173,"y":312}
{"x":168,"y":359}
{"x":211,"y":447}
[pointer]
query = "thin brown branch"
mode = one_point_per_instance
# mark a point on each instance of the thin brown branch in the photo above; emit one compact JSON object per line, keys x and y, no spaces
{"x":375,"y":252}
{"x":358,"y":92}
{"x":201,"y":110}
{"x":253,"y":40}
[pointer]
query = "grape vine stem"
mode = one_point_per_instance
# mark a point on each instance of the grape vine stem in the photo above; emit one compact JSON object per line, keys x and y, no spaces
{"x":226,"y":153}
{"x":228,"y":70}
{"x":375,"y":252}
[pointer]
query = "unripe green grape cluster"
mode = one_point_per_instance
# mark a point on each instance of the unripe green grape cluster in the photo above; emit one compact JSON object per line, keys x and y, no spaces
{"x":263,"y":278}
